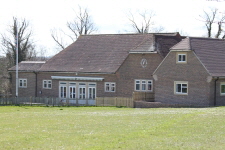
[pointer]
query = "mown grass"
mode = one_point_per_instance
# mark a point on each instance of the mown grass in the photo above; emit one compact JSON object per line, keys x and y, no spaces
{"x":111,"y":128}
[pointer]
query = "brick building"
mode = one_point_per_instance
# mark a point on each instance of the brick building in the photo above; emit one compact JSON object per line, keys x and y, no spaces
{"x":193,"y":73}
{"x":107,"y":65}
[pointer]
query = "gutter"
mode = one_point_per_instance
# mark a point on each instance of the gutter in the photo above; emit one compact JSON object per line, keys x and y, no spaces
{"x":142,"y":52}
{"x":77,"y":73}
{"x":181,"y":50}
{"x":35,"y":83}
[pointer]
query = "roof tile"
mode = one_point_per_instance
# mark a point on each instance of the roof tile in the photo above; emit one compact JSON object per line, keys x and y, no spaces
{"x":28,"y":66}
{"x":99,"y":53}
{"x":211,"y":52}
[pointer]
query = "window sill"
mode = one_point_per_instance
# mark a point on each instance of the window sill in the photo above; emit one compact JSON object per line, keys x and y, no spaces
{"x":181,"y":62}
{"x":180,"y":93}
{"x":142,"y":91}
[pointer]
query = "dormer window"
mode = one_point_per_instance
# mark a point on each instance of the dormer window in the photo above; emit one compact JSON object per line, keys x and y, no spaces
{"x":182,"y":57}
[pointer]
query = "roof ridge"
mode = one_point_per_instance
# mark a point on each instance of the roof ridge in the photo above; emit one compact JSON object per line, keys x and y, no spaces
{"x":111,"y":34}
{"x":24,"y":62}
{"x":153,"y":34}
{"x":206,"y":38}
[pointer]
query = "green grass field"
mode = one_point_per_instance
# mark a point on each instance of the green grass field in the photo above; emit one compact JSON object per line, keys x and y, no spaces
{"x":111,"y":128}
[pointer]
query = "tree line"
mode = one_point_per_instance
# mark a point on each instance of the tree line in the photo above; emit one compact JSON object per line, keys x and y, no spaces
{"x":83,"y":24}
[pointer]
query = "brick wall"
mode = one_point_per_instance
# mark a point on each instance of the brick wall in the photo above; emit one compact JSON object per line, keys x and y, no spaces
{"x":199,"y":90}
{"x":220,"y":99}
{"x":54,"y":92}
{"x":31,"y":82}
{"x":132,"y":69}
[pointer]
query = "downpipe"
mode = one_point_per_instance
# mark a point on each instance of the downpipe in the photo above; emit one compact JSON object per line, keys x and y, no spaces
{"x":215,"y":91}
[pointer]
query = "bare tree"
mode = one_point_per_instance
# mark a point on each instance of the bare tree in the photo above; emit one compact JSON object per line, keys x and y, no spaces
{"x":211,"y":19}
{"x":143,"y":22}
{"x":220,"y":28}
{"x":58,"y":38}
{"x":26,"y":47}
{"x":4,"y":77}
{"x":82,"y":24}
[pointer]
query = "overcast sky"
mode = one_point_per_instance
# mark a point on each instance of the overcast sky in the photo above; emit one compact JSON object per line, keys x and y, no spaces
{"x":110,"y":16}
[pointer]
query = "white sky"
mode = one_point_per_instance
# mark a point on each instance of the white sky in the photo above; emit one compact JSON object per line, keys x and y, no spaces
{"x":110,"y":16}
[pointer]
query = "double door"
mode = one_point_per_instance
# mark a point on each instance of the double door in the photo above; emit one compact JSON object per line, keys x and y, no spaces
{"x":76,"y":90}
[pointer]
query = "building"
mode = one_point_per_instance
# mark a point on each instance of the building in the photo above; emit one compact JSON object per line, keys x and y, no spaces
{"x":192,"y":74}
{"x":107,"y":65}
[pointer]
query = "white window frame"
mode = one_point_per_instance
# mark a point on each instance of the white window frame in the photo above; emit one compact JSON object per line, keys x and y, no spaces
{"x":92,"y":89}
{"x":143,"y":85}
{"x":182,"y":83}
{"x":82,"y":90}
{"x":222,"y":84}
{"x":110,"y":87}
{"x":79,"y":87}
{"x":24,"y":83}
{"x":137,"y":84}
{"x":48,"y":82}
{"x":63,"y":87}
{"x":183,"y":57}
{"x":72,"y":86}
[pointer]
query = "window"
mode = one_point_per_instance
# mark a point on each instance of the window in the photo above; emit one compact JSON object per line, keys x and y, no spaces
{"x":149,"y":86}
{"x":72,"y":90}
{"x":180,"y":87}
{"x":62,"y":88}
{"x":143,"y":85}
{"x":137,"y":85}
{"x":22,"y":83}
{"x":82,"y":90}
{"x":91,"y":91}
{"x":182,"y":57}
{"x":222,"y":88}
{"x":47,"y":84}
{"x":77,"y":90}
{"x":110,"y":86}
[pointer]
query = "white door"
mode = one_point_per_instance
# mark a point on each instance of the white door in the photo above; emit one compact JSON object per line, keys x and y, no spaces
{"x":82,"y":92}
{"x":72,"y":90}
{"x":92,"y":92}
{"x":62,"y":91}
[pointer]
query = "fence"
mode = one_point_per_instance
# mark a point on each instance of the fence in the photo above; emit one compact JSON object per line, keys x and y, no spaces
{"x":100,"y":101}
{"x":53,"y":101}
{"x":143,"y":96}
{"x":115,"y":101}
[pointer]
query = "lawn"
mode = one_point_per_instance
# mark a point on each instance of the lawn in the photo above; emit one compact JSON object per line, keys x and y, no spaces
{"x":111,"y":128}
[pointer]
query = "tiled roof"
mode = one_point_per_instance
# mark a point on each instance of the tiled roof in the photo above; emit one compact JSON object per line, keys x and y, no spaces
{"x":183,"y":45}
{"x":99,"y":53}
{"x":211,"y":53}
{"x":146,"y":45}
{"x":28,"y":66}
